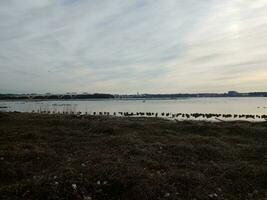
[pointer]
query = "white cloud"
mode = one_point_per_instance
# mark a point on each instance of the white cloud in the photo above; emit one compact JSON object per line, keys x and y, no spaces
{"x":127,"y":46}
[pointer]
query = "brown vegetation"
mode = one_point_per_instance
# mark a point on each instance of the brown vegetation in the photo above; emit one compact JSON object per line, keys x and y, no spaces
{"x":106,"y":158}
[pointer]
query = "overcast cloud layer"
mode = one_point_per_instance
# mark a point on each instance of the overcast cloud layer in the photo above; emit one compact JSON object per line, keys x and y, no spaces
{"x":127,"y":46}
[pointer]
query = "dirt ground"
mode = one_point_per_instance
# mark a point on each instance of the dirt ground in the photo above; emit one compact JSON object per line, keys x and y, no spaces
{"x":113,"y":158}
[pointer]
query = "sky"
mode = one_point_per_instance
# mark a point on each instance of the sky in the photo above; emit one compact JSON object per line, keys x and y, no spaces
{"x":130,"y":46}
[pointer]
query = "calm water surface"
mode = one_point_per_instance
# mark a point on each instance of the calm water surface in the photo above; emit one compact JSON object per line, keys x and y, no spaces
{"x":257,"y":105}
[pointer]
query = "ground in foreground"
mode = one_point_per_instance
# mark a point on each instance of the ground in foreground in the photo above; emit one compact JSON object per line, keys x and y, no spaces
{"x":65,"y":157}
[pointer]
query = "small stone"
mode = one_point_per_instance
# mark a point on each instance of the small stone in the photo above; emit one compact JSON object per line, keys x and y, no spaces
{"x":167,"y":195}
{"x":56,"y":183}
{"x":105,"y":182}
{"x":214,"y":195}
{"x":74,"y":186}
{"x":98,"y":183}
{"x":83,"y":165}
{"x":87,"y":198}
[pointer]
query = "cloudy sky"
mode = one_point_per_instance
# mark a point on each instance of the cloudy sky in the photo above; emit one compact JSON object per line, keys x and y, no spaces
{"x":129,"y":46}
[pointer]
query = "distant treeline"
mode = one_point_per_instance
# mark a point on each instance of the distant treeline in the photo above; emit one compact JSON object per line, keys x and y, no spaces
{"x":230,"y":94}
{"x":56,"y":97}
{"x":110,"y":96}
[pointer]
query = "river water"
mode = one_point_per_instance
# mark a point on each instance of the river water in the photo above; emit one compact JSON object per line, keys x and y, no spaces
{"x":251,"y":105}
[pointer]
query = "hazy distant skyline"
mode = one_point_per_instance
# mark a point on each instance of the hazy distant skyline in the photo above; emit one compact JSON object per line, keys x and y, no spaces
{"x":123,"y":46}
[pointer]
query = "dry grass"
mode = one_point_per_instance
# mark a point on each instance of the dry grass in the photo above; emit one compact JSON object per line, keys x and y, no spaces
{"x":63,"y":157}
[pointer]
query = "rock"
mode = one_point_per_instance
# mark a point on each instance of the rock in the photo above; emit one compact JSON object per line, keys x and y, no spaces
{"x":167,"y":195}
{"x":74,"y":186}
{"x":83,"y":165}
{"x":98,"y":182}
{"x":213,"y":195}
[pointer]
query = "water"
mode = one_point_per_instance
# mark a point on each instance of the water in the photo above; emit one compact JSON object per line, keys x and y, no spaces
{"x":254,"y":106}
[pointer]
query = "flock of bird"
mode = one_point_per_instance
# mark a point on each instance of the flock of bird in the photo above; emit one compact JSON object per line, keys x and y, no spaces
{"x":162,"y":114}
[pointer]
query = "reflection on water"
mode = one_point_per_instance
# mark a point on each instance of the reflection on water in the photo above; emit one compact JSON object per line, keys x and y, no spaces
{"x":255,"y":106}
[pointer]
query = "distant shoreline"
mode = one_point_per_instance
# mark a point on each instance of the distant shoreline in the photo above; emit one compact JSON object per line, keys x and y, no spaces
{"x":125,"y":99}
{"x":98,"y":96}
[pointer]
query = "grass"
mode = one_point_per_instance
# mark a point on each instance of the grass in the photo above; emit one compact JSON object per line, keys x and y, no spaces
{"x":111,"y":158}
